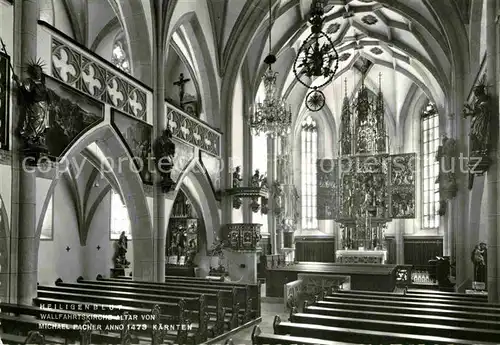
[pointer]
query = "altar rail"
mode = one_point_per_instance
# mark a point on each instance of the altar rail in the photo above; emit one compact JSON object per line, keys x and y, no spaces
{"x":78,"y":67}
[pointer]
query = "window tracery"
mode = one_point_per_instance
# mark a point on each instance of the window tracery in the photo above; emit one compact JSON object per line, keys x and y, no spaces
{"x":309,"y":156}
{"x":120,"y":57}
{"x":430,"y":168}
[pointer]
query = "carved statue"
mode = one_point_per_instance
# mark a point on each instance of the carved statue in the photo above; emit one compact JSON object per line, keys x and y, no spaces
{"x":256,"y":179}
{"x":164,"y":151}
{"x":278,"y":195}
{"x":478,"y":257}
{"x":35,"y":101}
{"x":480,"y":123}
{"x":263,"y":182}
{"x":191,"y":252}
{"x":237,"y":177}
{"x":121,"y":251}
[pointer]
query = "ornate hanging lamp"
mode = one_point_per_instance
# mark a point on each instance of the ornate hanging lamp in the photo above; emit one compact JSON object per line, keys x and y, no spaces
{"x":317,"y":57}
{"x":272,"y":116}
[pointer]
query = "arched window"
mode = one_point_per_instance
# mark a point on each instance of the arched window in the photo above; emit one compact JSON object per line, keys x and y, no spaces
{"x":47,"y":233}
{"x":309,"y":156}
{"x":430,"y":168}
{"x":119,"y":218}
{"x":120,"y":56}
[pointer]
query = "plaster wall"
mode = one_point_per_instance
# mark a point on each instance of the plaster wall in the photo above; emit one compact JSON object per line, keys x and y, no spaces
{"x":87,"y":261}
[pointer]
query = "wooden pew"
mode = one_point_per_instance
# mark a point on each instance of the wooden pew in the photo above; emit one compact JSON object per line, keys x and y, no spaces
{"x":214,"y":300}
{"x":169,"y":305}
{"x":477,"y":334}
{"x":362,"y":336}
{"x":418,"y":303}
{"x":445,"y":294}
{"x":403,"y":317}
{"x":437,"y":311}
{"x":219,"y":302}
{"x":33,"y":337}
{"x":250,"y":308}
{"x":180,"y":278}
{"x":25,"y":324}
{"x":250,"y":293}
{"x":57,"y":315}
{"x":176,"y":311}
{"x":410,"y":297}
{"x":259,"y":338}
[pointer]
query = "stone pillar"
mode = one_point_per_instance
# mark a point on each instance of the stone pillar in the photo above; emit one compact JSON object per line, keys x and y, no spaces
{"x":159,"y":222}
{"x":271,"y":176}
{"x":247,"y":159}
{"x":448,"y":231}
{"x":27,"y":243}
{"x":492,"y":176}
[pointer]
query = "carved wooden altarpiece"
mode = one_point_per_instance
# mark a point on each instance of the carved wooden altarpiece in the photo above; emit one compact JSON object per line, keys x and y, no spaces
{"x":365,"y":188}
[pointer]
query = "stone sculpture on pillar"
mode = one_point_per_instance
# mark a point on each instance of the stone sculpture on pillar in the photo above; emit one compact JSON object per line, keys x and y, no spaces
{"x":121,"y":252}
{"x":479,"y":257}
{"x":35,"y":100}
{"x":237,"y":184}
{"x":480,"y":128}
{"x":164,"y":151}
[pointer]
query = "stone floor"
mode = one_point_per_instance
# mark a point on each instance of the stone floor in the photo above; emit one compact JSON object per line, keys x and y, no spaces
{"x":269,"y":309}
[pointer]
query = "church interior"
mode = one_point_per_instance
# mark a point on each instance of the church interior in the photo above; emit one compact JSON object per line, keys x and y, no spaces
{"x":249,"y":172}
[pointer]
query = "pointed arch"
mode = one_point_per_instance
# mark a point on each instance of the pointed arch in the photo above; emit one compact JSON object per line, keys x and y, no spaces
{"x":135,"y":25}
{"x":206,"y":71}
{"x":130,"y":186}
{"x":195,"y":182}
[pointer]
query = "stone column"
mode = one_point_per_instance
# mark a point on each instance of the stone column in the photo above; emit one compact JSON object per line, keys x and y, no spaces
{"x":27,"y":243}
{"x":247,"y":159}
{"x":271,"y":176}
{"x":159,"y":222}
{"x":492,"y":176}
{"x":448,"y":231}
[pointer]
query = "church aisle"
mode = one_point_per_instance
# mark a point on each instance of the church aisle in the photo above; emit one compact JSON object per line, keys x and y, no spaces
{"x":268,"y":311}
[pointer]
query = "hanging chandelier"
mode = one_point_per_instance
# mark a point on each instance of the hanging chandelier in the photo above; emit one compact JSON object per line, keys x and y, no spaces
{"x":317,"y":57}
{"x":271,"y":116}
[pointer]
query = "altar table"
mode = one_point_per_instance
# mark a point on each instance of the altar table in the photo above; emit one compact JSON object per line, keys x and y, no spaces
{"x":361,"y":256}
{"x":368,"y":277}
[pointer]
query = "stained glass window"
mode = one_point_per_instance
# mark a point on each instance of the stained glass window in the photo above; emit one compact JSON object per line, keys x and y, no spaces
{"x":430,"y":143}
{"x":120,"y":56}
{"x":119,"y":218}
{"x":309,"y":156}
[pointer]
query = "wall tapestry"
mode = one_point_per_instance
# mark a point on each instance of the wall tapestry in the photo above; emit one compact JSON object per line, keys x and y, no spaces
{"x":4,"y":100}
{"x":137,"y":136}
{"x":71,"y":114}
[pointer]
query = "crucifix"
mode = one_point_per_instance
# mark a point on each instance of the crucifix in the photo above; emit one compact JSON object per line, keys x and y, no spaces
{"x":180,"y":83}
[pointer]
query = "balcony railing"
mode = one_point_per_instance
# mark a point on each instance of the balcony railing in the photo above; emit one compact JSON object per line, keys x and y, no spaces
{"x":78,"y":67}
{"x":192,"y":130}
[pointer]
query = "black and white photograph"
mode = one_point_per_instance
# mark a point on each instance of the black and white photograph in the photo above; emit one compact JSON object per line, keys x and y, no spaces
{"x":250,"y":172}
